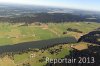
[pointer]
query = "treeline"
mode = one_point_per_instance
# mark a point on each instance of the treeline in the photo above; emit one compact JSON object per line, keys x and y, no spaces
{"x":49,"y":17}
{"x":91,"y":37}
{"x":74,"y":30}
{"x":28,"y":46}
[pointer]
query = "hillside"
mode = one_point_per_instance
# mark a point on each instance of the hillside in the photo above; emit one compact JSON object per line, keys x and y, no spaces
{"x":18,"y":33}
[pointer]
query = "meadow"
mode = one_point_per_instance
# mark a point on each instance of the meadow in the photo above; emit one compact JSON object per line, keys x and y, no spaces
{"x":19,"y":32}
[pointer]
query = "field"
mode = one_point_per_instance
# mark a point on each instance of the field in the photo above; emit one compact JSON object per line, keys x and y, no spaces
{"x":19,"y":32}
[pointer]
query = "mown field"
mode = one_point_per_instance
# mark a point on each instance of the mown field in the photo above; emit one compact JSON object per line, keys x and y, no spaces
{"x":19,"y":32}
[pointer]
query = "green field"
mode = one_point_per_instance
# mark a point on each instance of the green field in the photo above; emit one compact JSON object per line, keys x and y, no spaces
{"x":38,"y":55}
{"x":17,"y":33}
{"x":19,"y":59}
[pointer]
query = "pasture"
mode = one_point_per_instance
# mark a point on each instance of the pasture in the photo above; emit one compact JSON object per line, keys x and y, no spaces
{"x":19,"y":32}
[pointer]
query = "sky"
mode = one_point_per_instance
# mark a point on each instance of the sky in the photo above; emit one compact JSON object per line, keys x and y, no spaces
{"x":76,"y":4}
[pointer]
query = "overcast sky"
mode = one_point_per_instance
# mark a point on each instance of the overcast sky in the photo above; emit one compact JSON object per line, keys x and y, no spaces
{"x":79,"y":4}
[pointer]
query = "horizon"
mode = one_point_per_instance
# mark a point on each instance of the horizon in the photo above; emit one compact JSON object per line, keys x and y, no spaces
{"x":90,"y":5}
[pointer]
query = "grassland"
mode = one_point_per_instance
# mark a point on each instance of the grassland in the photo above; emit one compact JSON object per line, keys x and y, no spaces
{"x":34,"y":61}
{"x":18,"y":33}
{"x":40,"y":54}
{"x":6,"y":62}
